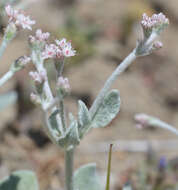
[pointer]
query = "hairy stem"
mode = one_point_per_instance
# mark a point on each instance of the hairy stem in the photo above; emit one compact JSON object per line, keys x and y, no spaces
{"x":153,"y":121}
{"x":127,"y":61}
{"x":69,"y":156}
{"x":47,"y":90}
{"x":6,"y":77}
{"x":62,"y":114}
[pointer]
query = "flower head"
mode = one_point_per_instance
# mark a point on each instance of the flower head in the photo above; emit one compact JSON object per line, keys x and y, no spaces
{"x":59,"y":50}
{"x":156,"y":22}
{"x":11,"y":13}
{"x":66,"y":48}
{"x":19,"y":19}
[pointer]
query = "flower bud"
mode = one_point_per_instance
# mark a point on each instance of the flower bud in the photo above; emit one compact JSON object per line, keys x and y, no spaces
{"x":142,"y":120}
{"x":37,"y":77}
{"x":63,"y":86}
{"x":20,"y":63}
{"x":157,"y":45}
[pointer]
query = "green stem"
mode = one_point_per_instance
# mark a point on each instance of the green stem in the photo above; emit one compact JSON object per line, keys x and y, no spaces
{"x":69,"y":155}
{"x":59,"y":67}
{"x":109,"y":168}
{"x":62,"y":114}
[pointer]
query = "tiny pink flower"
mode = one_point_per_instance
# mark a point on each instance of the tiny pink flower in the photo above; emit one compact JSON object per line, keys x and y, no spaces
{"x":66,"y":48}
{"x":11,"y":13}
{"x":50,"y":51}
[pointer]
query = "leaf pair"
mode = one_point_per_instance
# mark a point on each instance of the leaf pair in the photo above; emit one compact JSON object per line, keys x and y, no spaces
{"x":105,"y":113}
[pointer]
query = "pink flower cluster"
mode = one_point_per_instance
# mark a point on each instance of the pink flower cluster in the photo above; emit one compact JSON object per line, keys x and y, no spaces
{"x":40,"y":36}
{"x":62,"y":48}
{"x":63,"y":83}
{"x":155,"y":20}
{"x":19,"y":19}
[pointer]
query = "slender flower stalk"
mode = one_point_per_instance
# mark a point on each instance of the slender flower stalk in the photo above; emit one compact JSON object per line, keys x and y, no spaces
{"x":151,"y":29}
{"x":69,"y":159}
{"x":121,"y":68}
{"x":144,"y":120}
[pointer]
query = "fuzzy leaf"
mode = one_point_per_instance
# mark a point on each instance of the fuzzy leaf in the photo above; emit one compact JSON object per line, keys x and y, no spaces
{"x":71,"y":137}
{"x":84,"y":118}
{"x":86,"y":178}
{"x":127,"y":187}
{"x":108,"y":109}
{"x":7,"y":99}
{"x":53,"y":122}
{"x":20,"y":180}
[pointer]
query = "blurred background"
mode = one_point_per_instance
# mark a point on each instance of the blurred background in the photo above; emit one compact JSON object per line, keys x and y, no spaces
{"x":103,"y":33}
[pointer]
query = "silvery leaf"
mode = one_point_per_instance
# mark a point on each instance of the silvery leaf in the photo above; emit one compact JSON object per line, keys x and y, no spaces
{"x":86,"y":178}
{"x":108,"y":110}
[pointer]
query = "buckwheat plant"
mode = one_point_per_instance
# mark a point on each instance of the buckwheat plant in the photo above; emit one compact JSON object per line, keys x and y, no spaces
{"x":67,"y":131}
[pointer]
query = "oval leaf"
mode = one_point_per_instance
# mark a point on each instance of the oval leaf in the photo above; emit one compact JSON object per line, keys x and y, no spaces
{"x":20,"y":180}
{"x":108,"y":110}
{"x":87,"y":178}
